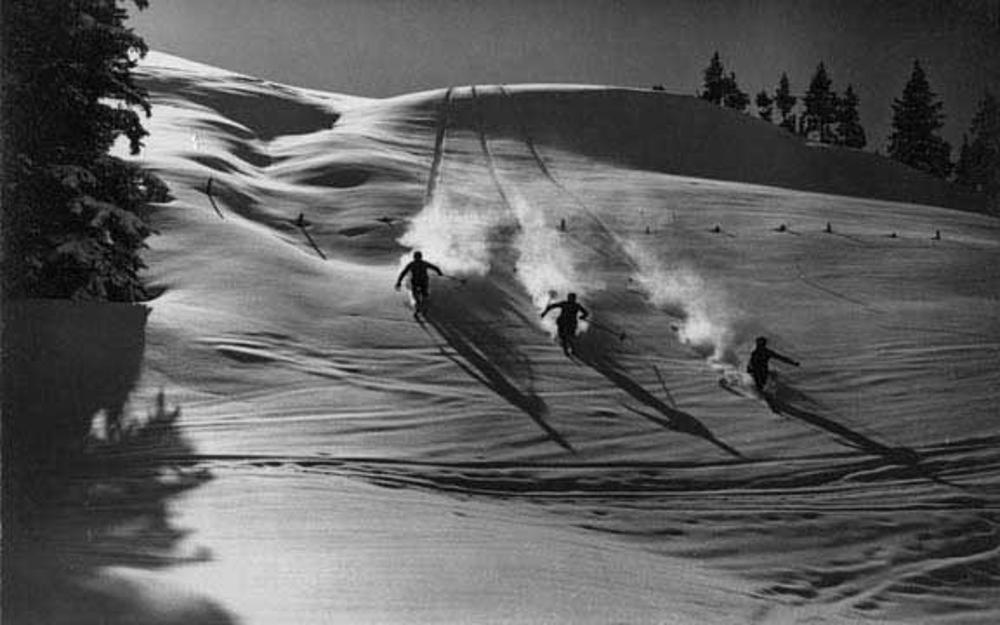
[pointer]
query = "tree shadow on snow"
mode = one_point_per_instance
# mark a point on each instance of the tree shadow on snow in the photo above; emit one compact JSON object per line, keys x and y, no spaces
{"x":597,"y":350}
{"x":475,"y":333}
{"x":86,"y":516}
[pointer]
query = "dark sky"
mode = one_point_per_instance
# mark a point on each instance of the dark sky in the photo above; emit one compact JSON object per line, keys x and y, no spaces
{"x":387,"y":47}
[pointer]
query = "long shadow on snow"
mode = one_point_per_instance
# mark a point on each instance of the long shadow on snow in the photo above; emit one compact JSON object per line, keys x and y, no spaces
{"x":597,"y":351}
{"x":495,"y":362}
{"x":786,"y":400}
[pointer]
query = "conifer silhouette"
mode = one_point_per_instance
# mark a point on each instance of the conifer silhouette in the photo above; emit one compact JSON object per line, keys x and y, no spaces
{"x":916,"y":119}
{"x":71,"y":211}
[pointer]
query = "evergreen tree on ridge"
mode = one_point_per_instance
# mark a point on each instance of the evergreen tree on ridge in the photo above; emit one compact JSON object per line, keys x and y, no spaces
{"x":978,"y":165}
{"x":820,"y":107}
{"x":849,"y":131}
{"x":785,"y":102}
{"x":917,"y":118}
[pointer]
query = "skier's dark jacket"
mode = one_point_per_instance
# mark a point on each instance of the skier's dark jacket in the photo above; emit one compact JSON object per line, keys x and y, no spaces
{"x":417,"y":269}
{"x":760,"y":356}
{"x":567,"y":314}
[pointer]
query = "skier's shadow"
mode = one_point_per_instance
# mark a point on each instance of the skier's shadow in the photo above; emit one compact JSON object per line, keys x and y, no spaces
{"x":483,"y":350}
{"x":597,"y":351}
{"x":786,"y":400}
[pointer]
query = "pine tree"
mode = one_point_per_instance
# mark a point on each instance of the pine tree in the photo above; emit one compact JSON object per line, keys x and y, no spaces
{"x":979,"y":160}
{"x":714,"y":89}
{"x":820,"y":107}
{"x":733,"y":97}
{"x":963,"y":171}
{"x":916,"y":118}
{"x":785,"y":102}
{"x":765,"y":106}
{"x":849,"y":133}
{"x":71,"y":214}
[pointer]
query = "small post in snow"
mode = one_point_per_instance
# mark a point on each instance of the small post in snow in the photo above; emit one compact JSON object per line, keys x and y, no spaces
{"x":208,"y":192}
{"x":301,"y":223}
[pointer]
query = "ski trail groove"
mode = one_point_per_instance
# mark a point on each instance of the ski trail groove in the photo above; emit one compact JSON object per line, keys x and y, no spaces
{"x":480,"y":367}
{"x":434,"y":176}
{"x":527,"y":136}
{"x":490,"y":160}
{"x":544,"y":168}
{"x":812,"y":283}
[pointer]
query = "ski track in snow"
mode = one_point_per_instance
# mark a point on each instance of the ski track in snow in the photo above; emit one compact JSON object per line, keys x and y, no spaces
{"x":865,"y":487}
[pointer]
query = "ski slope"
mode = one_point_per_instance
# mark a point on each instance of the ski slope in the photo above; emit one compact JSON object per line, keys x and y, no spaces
{"x":370,"y":469}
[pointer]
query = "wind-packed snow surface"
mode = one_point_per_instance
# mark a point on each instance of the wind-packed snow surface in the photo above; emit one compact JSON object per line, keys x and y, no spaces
{"x":371,"y":468}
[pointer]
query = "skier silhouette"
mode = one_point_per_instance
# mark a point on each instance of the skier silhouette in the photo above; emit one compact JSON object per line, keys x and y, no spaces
{"x":419,"y":280}
{"x":566,"y":321}
{"x":757,"y":367}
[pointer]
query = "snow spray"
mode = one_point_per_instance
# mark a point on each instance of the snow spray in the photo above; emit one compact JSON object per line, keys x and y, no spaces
{"x":546,"y":266}
{"x":706,"y":317}
{"x":451,"y":237}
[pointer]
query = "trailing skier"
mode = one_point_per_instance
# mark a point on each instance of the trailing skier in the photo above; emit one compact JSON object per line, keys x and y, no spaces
{"x":569,"y":314}
{"x":419,"y":281}
{"x":759,"y":358}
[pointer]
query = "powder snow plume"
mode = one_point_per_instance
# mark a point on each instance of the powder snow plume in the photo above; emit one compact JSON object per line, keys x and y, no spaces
{"x":454,"y":238}
{"x":707,"y":319}
{"x":546,"y":267}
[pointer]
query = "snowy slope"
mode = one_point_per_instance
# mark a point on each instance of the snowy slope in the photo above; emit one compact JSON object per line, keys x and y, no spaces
{"x":370,"y":468}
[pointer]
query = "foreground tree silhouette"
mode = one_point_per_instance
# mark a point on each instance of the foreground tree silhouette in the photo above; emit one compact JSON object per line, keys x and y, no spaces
{"x":916,"y":118}
{"x":71,"y":219}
